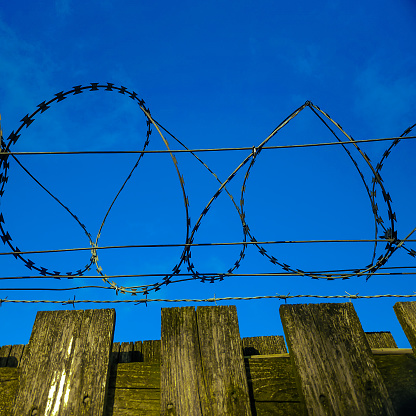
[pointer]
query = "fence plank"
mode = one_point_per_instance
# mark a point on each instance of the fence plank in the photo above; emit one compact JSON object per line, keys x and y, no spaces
{"x":265,"y":345}
{"x":202,"y":365}
{"x":335,"y":369}
{"x":126,"y":352}
{"x":115,"y":352}
{"x":151,"y":351}
{"x":134,"y":390}
{"x":383,"y":339}
{"x":11,"y":355}
{"x":272,"y":387}
{"x":180,"y":364}
{"x":9,"y":385}
{"x":399,"y":375}
{"x":137,"y":355}
{"x":406,"y":314}
{"x":222,"y":361}
{"x":16,"y":355}
{"x":4,"y":355}
{"x":65,"y":367}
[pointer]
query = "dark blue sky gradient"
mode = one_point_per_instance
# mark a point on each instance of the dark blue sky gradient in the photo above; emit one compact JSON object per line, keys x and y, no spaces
{"x":217,"y":74}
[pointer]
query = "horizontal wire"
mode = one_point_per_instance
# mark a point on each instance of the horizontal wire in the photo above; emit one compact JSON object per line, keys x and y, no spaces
{"x":219,"y":149}
{"x":385,"y":240}
{"x":253,"y":150}
{"x":209,"y":300}
{"x":272,"y":274}
{"x":53,"y":289}
{"x":191,"y":274}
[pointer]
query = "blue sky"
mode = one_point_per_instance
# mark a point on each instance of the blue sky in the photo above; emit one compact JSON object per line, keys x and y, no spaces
{"x":217,"y":74}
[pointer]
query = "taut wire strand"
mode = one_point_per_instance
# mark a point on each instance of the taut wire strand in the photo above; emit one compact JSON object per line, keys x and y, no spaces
{"x":375,"y":267}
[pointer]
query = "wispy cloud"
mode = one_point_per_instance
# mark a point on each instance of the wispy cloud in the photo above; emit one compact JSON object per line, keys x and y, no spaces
{"x":25,"y":69}
{"x":307,"y":59}
{"x":63,"y":7}
{"x":385,"y":99}
{"x":28,"y":72}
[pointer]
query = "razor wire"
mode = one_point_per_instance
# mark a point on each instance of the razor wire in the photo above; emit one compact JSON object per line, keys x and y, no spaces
{"x":389,"y":232}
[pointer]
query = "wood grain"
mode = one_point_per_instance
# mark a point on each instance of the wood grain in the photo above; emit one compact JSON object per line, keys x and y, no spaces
{"x":180,"y":363}
{"x":126,"y":352}
{"x":265,"y":345}
{"x":406,"y":314}
{"x":134,"y":389}
{"x":222,"y":361}
{"x":137,"y":355}
{"x":272,"y":380}
{"x":202,"y":365}
{"x":383,"y":339}
{"x":335,"y":370}
{"x":66,"y":364}
{"x":399,"y":375}
{"x":136,"y":376}
{"x":272,"y":387}
{"x":9,"y":386}
{"x":151,"y":351}
{"x":4,"y":355}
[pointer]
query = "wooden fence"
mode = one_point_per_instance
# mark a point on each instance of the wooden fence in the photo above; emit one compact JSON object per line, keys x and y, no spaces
{"x":202,"y":367}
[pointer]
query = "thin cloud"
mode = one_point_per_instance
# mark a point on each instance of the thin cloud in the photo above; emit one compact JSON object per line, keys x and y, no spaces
{"x":25,"y":69}
{"x":63,"y":7}
{"x":386,"y":100}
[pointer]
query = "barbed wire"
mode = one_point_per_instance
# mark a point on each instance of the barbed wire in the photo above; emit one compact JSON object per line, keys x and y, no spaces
{"x":389,"y":236}
{"x":214,"y":299}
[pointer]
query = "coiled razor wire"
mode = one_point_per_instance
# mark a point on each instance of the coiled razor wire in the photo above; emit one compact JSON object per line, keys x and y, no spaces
{"x":389,"y":232}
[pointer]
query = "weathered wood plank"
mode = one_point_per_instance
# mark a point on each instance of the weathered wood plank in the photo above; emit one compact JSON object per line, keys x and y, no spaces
{"x":66,"y":364}
{"x":391,"y":351}
{"x":202,"y":366}
{"x":134,"y":389}
{"x":265,"y":345}
{"x":333,"y":363}
{"x":9,"y":385}
{"x":16,"y":355}
{"x":399,"y":375}
{"x":11,"y":355}
{"x":382,"y":339}
{"x":4,"y":355}
{"x":272,"y":380}
{"x":137,"y":355}
{"x":272,"y":387}
{"x":222,"y":361}
{"x":406,"y":314}
{"x":134,"y":402}
{"x":180,"y":363}
{"x":115,"y":351}
{"x":136,"y":376}
{"x":126,"y":352}
{"x":109,"y":405}
{"x":151,"y":351}
{"x":278,"y":409}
